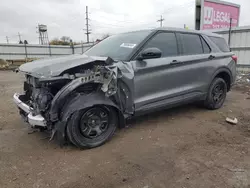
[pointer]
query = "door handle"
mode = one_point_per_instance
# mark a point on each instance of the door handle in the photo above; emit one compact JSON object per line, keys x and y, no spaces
{"x":175,"y":62}
{"x":211,"y":57}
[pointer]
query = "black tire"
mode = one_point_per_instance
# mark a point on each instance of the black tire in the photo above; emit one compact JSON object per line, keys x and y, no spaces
{"x":92,"y":127}
{"x":216,"y":94}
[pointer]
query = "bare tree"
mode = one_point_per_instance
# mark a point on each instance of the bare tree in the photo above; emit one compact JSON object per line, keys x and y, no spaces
{"x":105,"y":36}
{"x":65,"y":39}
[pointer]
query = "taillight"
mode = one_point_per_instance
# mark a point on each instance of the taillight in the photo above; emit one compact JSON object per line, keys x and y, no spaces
{"x":235,"y":58}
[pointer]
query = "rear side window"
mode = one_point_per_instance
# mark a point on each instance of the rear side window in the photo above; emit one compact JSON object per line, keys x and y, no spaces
{"x":191,"y":44}
{"x":166,"y":42}
{"x":221,"y":43}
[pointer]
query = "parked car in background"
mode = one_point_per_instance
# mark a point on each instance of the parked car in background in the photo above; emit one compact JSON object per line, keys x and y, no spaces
{"x":84,"y":98}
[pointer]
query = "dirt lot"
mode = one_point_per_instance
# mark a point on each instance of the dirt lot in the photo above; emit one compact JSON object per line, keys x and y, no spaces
{"x":182,"y":147}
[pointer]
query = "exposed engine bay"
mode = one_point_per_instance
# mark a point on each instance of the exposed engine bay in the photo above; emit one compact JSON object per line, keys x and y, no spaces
{"x":41,"y":92}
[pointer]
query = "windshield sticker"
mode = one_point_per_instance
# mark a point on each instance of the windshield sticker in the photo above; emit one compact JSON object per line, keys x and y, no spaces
{"x":127,"y":45}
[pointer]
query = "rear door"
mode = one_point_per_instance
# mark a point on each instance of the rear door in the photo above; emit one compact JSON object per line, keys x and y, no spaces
{"x":196,"y":58}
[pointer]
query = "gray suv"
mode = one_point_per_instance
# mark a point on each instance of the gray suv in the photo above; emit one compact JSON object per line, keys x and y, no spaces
{"x":83,"y":98}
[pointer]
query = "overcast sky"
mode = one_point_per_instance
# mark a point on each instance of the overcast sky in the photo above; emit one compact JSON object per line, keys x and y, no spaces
{"x":67,"y":17}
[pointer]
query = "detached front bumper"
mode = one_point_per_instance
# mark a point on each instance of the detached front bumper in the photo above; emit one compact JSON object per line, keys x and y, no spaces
{"x":36,"y":120}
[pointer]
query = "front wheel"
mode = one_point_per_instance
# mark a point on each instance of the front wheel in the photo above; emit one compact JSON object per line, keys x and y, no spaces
{"x":216,"y":94}
{"x":92,"y":127}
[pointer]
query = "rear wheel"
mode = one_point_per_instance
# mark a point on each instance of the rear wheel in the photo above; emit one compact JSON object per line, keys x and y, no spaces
{"x":216,"y":94}
{"x":92,"y":127}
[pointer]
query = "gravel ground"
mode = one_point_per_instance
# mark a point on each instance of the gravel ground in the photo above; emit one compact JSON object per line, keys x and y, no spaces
{"x":182,"y":147}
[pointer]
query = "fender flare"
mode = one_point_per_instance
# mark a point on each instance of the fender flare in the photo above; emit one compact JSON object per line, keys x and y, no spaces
{"x":220,"y":70}
{"x":85,"y":101}
{"x":59,"y":100}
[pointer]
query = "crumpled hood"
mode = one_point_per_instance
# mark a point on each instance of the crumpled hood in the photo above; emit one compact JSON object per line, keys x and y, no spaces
{"x":50,"y":67}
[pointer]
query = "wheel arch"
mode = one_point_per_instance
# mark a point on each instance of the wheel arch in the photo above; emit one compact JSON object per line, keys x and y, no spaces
{"x":81,"y":102}
{"x":225,"y":74}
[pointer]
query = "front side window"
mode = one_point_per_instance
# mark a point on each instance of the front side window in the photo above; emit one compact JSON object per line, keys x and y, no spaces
{"x":166,"y":42}
{"x":191,"y":44}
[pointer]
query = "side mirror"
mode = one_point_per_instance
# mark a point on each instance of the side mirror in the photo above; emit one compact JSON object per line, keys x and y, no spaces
{"x":150,"y":53}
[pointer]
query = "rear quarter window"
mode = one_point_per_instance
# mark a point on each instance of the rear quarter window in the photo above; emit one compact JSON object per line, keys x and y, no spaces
{"x":221,"y":43}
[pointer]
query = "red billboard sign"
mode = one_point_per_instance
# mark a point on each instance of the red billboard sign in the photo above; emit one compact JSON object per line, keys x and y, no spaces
{"x":217,"y":14}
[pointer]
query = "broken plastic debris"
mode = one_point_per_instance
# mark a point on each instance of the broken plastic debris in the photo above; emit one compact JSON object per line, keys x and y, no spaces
{"x":232,"y":121}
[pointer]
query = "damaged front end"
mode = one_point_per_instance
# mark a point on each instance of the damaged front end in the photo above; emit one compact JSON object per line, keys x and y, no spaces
{"x":48,"y":101}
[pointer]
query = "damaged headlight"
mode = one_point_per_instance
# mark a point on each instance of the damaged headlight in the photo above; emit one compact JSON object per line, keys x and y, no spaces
{"x":41,"y":99}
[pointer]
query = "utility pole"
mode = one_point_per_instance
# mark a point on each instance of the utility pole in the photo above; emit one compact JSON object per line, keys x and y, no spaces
{"x":161,"y":20}
{"x":19,"y":37}
{"x":87,"y":24}
{"x":7,"y":39}
{"x":229,"y":34}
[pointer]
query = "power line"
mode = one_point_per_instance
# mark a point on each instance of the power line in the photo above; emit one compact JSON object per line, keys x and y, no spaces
{"x":123,"y":21}
{"x":161,"y":20}
{"x":106,"y":28}
{"x":120,"y":26}
{"x":105,"y":12}
{"x":187,"y":4}
{"x":111,"y":17}
{"x":101,"y":23}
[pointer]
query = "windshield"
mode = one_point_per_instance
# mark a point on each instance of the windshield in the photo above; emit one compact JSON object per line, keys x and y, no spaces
{"x":119,"y":46}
